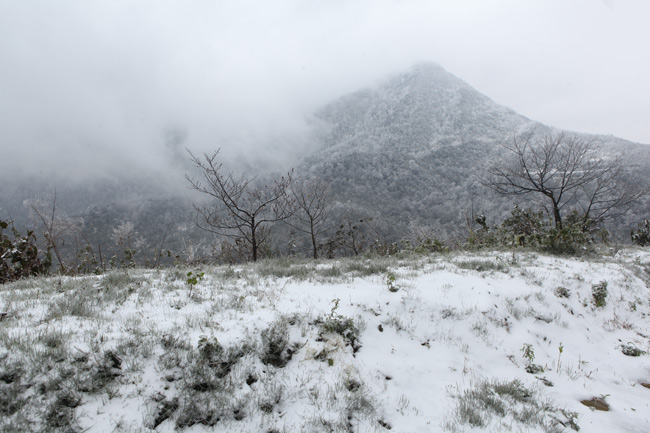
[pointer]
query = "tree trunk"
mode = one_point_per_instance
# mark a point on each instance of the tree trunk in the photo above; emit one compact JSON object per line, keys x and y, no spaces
{"x":313,"y":243}
{"x":557,"y":216}
{"x":254,"y":241}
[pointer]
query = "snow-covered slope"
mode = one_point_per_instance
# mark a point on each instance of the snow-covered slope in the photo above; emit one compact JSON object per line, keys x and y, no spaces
{"x":462,"y":342}
{"x":419,"y":110}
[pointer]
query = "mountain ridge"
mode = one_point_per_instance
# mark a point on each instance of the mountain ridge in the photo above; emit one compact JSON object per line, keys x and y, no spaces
{"x":410,"y":150}
{"x":403,"y":104}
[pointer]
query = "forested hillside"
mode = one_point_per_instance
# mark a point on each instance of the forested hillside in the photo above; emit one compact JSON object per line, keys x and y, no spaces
{"x":411,"y":151}
{"x":405,"y":158}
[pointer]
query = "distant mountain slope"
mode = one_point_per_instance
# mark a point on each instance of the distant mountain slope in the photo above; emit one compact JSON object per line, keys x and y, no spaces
{"x":409,"y":151}
{"x":418,"y":111}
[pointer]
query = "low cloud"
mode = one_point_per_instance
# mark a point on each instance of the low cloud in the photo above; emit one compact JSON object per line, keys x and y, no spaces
{"x":93,"y":89}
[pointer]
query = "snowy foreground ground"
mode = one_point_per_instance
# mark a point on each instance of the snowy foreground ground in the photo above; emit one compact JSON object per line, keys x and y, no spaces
{"x":458,"y":342}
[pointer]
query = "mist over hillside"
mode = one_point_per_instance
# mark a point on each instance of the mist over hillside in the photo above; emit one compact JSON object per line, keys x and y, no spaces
{"x":407,"y":152}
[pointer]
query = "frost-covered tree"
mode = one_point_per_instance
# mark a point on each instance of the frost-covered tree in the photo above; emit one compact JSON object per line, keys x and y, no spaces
{"x":313,"y":202}
{"x":55,"y":226}
{"x":570,"y":174}
{"x":242,"y":209}
{"x":129,"y":240}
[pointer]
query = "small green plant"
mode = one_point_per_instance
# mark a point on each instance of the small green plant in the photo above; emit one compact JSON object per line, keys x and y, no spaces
{"x":599,"y":293}
{"x":194,"y":278}
{"x":335,"y":307}
{"x":559,"y":357}
{"x":390,"y":282}
{"x":344,"y":327}
{"x":341,"y":325}
{"x":641,"y":236}
{"x":529,"y":355}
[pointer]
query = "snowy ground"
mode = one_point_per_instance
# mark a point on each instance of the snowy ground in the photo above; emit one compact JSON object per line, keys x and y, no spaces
{"x":462,"y":342}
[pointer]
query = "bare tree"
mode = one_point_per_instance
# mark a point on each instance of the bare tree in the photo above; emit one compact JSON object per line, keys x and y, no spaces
{"x":55,"y":227}
{"x":242,"y":210}
{"x":313,"y":203}
{"x":129,"y":240}
{"x":569,"y":172}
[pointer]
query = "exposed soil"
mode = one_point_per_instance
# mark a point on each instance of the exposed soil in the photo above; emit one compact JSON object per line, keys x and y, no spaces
{"x":596,"y":403}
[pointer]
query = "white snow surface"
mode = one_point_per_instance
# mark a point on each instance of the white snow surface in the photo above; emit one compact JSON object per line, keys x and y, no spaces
{"x":456,"y":321}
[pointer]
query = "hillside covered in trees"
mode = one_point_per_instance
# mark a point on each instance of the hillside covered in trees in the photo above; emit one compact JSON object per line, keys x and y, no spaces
{"x":403,"y":161}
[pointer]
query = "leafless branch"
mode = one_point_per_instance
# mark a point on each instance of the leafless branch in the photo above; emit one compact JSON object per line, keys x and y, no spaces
{"x":241,"y":210}
{"x":569,"y":172}
{"x":55,"y":227}
{"x":313,"y":203}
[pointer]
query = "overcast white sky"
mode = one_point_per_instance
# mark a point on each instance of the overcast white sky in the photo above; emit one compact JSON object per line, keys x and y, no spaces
{"x":107,"y":80}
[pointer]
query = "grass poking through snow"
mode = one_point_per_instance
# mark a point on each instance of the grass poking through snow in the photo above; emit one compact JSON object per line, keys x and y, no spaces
{"x":415,"y":343}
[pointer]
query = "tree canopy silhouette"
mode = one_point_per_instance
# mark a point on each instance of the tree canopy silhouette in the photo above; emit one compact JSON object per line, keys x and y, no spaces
{"x":242,"y":209}
{"x":569,"y":173}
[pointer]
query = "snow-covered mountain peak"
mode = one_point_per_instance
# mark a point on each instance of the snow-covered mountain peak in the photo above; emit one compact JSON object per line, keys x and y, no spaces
{"x":419,"y":109}
{"x":409,"y":150}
